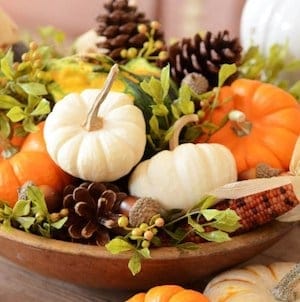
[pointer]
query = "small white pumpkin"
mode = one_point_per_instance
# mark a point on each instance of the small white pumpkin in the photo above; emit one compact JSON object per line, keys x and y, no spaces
{"x":256,"y":283}
{"x":265,"y":23}
{"x":103,"y":147}
{"x":179,"y":178}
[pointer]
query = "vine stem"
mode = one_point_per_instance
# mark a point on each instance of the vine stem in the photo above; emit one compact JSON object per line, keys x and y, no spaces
{"x":177,"y":127}
{"x":93,"y":122}
{"x":283,"y":291}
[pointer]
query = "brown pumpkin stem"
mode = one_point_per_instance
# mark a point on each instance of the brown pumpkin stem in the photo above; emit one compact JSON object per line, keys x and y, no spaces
{"x":177,"y":127}
{"x":93,"y":122}
{"x":8,"y":150}
{"x":240,"y":125}
{"x":283,"y":291}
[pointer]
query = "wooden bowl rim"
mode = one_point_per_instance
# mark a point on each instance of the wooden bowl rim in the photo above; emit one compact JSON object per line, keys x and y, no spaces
{"x":238,"y":242}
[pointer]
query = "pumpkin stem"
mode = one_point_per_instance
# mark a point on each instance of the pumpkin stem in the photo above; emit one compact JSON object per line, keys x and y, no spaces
{"x":283,"y":291}
{"x":8,"y":150}
{"x":177,"y":127}
{"x":93,"y":121}
{"x":240,"y":125}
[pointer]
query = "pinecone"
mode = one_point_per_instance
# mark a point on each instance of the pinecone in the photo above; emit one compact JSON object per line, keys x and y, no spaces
{"x":202,"y":55}
{"x":126,"y":29}
{"x":93,"y":211}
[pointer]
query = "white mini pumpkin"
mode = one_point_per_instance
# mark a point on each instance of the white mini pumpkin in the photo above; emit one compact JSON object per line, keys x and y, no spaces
{"x":108,"y":147}
{"x":265,"y":23}
{"x":181,"y":177}
{"x":253,"y":283}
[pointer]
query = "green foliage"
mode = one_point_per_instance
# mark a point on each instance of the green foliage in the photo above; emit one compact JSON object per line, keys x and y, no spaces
{"x":30,"y":214}
{"x":274,"y":68}
{"x":223,"y":222}
{"x":24,"y":95}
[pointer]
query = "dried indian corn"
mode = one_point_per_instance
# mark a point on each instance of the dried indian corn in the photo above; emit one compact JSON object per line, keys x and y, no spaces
{"x":254,"y":210}
{"x":260,"y":208}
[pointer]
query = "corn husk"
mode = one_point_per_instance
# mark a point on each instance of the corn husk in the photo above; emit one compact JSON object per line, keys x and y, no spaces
{"x":295,"y":160}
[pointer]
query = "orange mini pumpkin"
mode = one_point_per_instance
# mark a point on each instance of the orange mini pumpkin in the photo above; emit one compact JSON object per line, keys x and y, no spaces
{"x":30,"y":163}
{"x":169,"y":293}
{"x":263,"y":123}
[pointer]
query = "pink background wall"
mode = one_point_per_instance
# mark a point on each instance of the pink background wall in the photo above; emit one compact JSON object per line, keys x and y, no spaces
{"x":178,"y":17}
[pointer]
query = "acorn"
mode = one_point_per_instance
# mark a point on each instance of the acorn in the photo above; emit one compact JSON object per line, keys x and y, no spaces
{"x":197,"y":82}
{"x":261,"y":170}
{"x":140,"y":210}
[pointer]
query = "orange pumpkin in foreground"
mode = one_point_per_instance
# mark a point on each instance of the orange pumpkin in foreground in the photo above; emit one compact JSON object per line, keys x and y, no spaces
{"x":263,"y":124}
{"x":169,"y":293}
{"x":31,"y":162}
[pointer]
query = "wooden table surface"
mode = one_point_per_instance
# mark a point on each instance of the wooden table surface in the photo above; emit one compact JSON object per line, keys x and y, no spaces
{"x":20,"y":285}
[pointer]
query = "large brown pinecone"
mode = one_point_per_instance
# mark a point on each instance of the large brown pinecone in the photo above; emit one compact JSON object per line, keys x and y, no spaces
{"x":120,"y":28}
{"x":203,"y":55}
{"x":93,"y":211}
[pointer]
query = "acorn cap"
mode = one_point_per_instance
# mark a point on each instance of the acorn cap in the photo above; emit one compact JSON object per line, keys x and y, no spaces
{"x":9,"y":33}
{"x":143,"y":210}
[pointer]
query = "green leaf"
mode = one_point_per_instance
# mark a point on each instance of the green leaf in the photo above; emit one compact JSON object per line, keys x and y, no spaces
{"x":21,"y":208}
{"x":29,"y":125}
{"x":165,"y":80}
{"x":25,"y":222}
{"x":215,"y":236}
{"x":8,"y":102}
{"x":185,"y":92}
{"x":135,"y":264}
{"x":154,"y":89}
{"x":175,"y":111}
{"x":16,"y":114}
{"x":186,"y":106}
{"x":208,"y":201}
{"x":227,"y":220}
{"x":198,"y":228}
{"x":154,"y":125}
{"x":145,"y":252}
{"x":226,"y":71}
{"x":4,"y":126}
{"x":160,"y":110}
{"x":44,"y":230}
{"x":33,"y":101}
{"x":6,"y":65}
{"x":210,"y":214}
{"x":34,"y":88}
{"x":60,"y":223}
{"x":42,"y":108}
{"x":36,"y":196}
{"x":118,"y":245}
{"x":7,"y":210}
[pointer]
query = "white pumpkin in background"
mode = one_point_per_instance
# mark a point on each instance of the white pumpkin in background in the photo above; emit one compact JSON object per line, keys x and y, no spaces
{"x":266,"y":22}
{"x":181,"y":177}
{"x":256,"y":283}
{"x":103,"y":147}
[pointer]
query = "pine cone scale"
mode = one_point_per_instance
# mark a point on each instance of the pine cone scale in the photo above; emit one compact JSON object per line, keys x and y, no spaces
{"x":88,"y":230}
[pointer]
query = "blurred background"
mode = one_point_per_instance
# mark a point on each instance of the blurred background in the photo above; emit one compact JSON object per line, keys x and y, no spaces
{"x":178,"y":18}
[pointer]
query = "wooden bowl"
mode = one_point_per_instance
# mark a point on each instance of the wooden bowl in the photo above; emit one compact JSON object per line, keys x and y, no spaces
{"x":93,"y":266}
